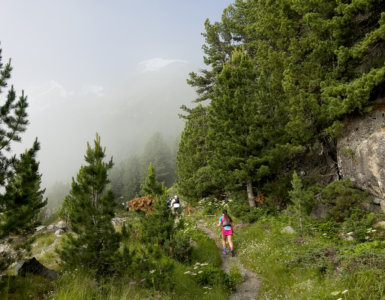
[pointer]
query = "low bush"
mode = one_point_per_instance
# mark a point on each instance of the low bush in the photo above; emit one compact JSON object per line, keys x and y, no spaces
{"x":242,"y":211}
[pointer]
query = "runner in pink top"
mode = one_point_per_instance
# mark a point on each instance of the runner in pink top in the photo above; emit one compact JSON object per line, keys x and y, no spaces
{"x":227,"y":230}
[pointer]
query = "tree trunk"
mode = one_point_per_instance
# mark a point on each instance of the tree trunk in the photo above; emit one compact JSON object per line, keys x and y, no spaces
{"x":250,"y":194}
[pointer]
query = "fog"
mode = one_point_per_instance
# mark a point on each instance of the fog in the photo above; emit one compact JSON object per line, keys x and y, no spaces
{"x":124,"y":115}
{"x":116,"y":68}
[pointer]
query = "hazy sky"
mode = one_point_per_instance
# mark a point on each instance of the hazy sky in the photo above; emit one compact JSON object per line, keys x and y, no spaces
{"x":114,"y":67}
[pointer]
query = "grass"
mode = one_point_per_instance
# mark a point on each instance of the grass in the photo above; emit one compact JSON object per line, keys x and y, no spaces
{"x":307,"y":267}
{"x":28,"y":287}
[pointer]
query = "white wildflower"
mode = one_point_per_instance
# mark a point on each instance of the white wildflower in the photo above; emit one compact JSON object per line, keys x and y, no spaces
{"x":187,"y":272}
{"x":152,"y":271}
{"x":199,"y":272}
{"x":335,"y":293}
{"x":345,"y":291}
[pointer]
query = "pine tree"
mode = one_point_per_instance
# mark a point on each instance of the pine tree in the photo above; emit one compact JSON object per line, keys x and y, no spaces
{"x":23,"y":198}
{"x":13,"y":119}
{"x":94,"y":243}
{"x":194,"y":175}
{"x":151,"y":186}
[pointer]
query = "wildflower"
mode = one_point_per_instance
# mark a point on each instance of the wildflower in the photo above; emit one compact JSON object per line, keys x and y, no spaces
{"x":373,"y":230}
{"x":194,"y":274}
{"x":132,"y":283}
{"x":335,"y":293}
{"x":199,"y":272}
{"x":187,"y":272}
{"x":152,"y":271}
{"x":366,"y":238}
{"x":143,"y":280}
{"x":345,"y":291}
{"x":196,"y":267}
{"x":339,"y":299}
{"x":350,"y":233}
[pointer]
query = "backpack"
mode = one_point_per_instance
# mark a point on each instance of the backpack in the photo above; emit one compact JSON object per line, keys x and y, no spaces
{"x":177,"y":200}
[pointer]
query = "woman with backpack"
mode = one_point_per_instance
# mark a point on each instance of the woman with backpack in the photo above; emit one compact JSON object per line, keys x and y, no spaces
{"x":227,"y":231}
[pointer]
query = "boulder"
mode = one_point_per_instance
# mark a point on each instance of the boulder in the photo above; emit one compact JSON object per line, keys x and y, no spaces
{"x":319,"y":211}
{"x":33,"y":266}
{"x":40,"y":228}
{"x":380,"y":224}
{"x":288,"y":229}
{"x":59,"y":232}
{"x":50,"y":227}
{"x":61,"y":225}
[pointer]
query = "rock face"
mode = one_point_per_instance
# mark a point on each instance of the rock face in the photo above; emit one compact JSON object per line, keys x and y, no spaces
{"x":361,"y":153}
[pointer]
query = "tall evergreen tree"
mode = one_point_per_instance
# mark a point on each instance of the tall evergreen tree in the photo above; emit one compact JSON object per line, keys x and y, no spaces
{"x":95,"y":244}
{"x":195,"y":178}
{"x":23,"y":198}
{"x":151,"y":186}
{"x":13,"y":119}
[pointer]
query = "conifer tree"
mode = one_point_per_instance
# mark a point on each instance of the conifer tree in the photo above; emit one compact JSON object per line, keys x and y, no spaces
{"x":195,"y":180}
{"x":23,"y":198}
{"x":94,"y":243}
{"x":151,"y":186}
{"x":13,"y":119}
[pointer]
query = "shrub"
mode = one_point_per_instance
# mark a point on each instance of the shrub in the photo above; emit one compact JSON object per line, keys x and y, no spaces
{"x":360,"y":222}
{"x":212,"y":276}
{"x":341,"y":196}
{"x":180,"y":248}
{"x":329,"y":229}
{"x":244,"y":212}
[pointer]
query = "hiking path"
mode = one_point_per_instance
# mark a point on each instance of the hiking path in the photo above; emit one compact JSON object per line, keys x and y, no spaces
{"x":248,"y":289}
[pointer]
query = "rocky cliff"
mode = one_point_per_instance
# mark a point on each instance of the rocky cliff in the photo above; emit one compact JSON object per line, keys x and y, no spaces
{"x":361,"y":152}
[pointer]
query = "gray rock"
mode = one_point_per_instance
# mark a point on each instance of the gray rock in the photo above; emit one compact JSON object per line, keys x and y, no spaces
{"x":59,"y":232}
{"x":61,"y":225}
{"x":288,"y":229}
{"x":50,"y":227}
{"x":40,"y":228}
{"x":380,"y":224}
{"x":319,"y":211}
{"x":361,"y":155}
{"x":33,"y":266}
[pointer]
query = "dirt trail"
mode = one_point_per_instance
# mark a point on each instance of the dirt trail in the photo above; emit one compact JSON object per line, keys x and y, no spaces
{"x":248,"y":289}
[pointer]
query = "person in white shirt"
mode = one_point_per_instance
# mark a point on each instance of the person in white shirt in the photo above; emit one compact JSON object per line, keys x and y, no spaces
{"x":175,"y":204}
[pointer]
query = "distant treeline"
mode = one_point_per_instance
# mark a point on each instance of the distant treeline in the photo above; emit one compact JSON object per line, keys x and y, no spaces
{"x":127,"y":175}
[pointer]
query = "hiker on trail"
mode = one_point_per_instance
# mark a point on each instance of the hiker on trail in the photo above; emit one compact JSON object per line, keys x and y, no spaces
{"x":227,"y":230}
{"x":175,"y":204}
